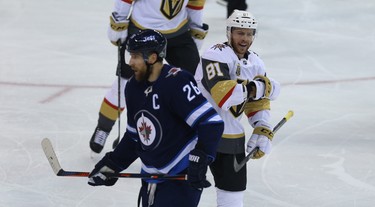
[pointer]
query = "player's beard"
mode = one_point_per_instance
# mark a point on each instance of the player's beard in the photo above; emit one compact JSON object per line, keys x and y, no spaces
{"x":143,"y":75}
{"x":240,"y":50}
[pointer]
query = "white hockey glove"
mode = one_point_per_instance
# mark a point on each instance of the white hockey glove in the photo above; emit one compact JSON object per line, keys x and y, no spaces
{"x":198,"y":34}
{"x":118,"y":28}
{"x":260,"y":139}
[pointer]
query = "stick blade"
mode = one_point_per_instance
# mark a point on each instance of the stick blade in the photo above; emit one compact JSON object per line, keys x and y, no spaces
{"x":51,"y":156}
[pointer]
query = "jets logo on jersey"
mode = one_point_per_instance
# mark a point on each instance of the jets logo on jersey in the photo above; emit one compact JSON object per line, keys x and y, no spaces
{"x":149,"y":130}
{"x":173,"y":71}
{"x":170,"y":8}
{"x":145,"y":131}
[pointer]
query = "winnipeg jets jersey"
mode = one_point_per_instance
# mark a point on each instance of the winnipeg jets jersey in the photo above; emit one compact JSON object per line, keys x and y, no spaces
{"x":219,"y":76}
{"x":166,"y":120}
{"x":169,"y":17}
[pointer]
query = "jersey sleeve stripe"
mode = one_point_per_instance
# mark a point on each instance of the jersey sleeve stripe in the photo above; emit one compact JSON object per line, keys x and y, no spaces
{"x":215,"y":118}
{"x":226,"y":97}
{"x":196,"y":4}
{"x":174,"y":162}
{"x":131,"y":129}
{"x":198,"y":113}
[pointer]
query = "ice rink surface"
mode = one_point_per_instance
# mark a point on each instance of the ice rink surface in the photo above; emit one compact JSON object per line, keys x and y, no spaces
{"x":56,"y":64}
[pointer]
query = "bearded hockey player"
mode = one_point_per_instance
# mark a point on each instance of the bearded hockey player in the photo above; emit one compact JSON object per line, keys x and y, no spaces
{"x":171,"y":127}
{"x":181,"y":22}
{"x":235,"y":82}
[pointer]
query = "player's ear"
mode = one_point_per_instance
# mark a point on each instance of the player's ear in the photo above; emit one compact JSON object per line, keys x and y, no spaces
{"x":152,"y":58}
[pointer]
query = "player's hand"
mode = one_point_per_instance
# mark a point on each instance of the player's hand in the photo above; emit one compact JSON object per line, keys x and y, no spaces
{"x":198,"y":34}
{"x":197,"y":170}
{"x":250,"y":88}
{"x":118,"y":28}
{"x":103,"y":173}
{"x":260,"y":140}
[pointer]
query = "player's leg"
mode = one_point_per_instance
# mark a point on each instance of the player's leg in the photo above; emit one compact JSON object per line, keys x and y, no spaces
{"x":236,"y":4}
{"x":170,"y":194}
{"x":182,"y":52}
{"x":230,"y":184}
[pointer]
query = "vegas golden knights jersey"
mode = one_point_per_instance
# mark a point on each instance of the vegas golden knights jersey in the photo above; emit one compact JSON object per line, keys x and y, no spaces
{"x":220,"y":75}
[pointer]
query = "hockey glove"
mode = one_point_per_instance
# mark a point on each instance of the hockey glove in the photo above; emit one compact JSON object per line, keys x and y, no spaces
{"x":98,"y":139}
{"x":260,"y":140}
{"x":118,"y":29}
{"x":250,"y":89}
{"x":197,"y":170}
{"x":198,"y":34}
{"x":103,"y":173}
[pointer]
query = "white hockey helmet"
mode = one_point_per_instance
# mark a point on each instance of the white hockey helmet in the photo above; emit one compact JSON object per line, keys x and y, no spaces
{"x":240,"y":19}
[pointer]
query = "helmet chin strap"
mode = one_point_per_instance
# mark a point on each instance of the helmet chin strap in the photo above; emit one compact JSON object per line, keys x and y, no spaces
{"x":148,"y":70}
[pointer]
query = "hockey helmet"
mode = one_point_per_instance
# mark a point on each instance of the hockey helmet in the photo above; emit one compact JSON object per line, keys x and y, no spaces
{"x":147,"y":42}
{"x":240,"y":19}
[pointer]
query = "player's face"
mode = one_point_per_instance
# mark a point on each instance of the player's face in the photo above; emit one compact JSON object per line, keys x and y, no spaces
{"x":241,"y":40}
{"x":138,"y":65}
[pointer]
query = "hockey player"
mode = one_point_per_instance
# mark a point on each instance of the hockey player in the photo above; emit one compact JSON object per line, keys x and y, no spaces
{"x":236,"y":4}
{"x":234,"y":80}
{"x":171,"y":127}
{"x":181,"y":23}
{"x":232,"y":5}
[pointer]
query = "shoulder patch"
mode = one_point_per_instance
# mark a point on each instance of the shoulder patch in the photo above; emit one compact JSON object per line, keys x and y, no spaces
{"x":219,"y":46}
{"x":173,"y":72}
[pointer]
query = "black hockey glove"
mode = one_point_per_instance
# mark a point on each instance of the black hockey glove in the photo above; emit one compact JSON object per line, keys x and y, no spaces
{"x":197,"y":170}
{"x":103,"y":173}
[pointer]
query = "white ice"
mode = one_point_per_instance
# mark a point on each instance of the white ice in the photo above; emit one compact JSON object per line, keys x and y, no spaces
{"x":56,"y":64}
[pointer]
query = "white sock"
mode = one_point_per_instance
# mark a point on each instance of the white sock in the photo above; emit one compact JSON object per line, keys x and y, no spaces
{"x":229,"y":198}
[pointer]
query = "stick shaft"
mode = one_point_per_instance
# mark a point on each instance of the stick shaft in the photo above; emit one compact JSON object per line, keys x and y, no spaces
{"x":238,"y":166}
{"x":119,"y":65}
{"x":59,"y":171}
{"x":282,"y":122}
{"x":126,"y":175}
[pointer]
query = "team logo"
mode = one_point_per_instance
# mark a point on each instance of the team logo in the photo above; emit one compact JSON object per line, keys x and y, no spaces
{"x":170,"y":8}
{"x":238,"y":69}
{"x":237,"y":110}
{"x":219,"y":46}
{"x":173,"y":72}
{"x":148,"y":90}
{"x":149,"y":130}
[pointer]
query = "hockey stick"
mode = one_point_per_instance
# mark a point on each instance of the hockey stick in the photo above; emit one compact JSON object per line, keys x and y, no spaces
{"x":57,"y":169}
{"x":118,"y":73}
{"x":238,"y":166}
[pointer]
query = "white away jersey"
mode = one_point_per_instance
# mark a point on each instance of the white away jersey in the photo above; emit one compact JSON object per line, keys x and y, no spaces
{"x":166,"y":16}
{"x":219,"y":76}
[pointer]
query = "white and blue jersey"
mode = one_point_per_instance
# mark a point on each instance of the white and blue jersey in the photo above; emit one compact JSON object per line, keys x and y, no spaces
{"x":167,"y":118}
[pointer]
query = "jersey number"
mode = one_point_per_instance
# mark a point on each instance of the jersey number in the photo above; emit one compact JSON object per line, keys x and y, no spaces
{"x":191,"y":91}
{"x":213,"y":69}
